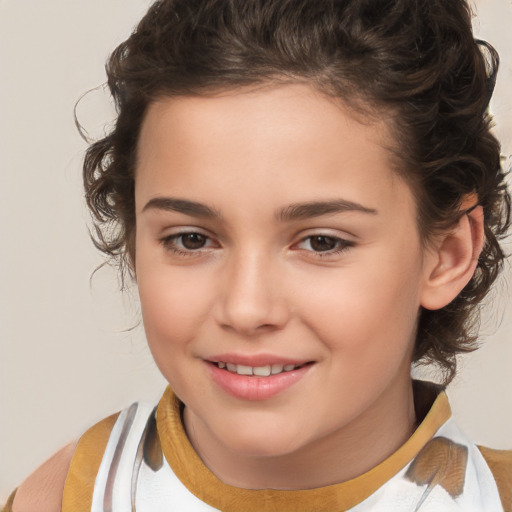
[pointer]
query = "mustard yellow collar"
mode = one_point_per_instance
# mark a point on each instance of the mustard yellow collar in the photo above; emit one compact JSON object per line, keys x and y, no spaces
{"x":191,"y":471}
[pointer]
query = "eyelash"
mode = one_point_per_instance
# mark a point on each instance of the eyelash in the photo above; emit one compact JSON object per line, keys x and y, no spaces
{"x":169,"y":243}
{"x":342,"y":245}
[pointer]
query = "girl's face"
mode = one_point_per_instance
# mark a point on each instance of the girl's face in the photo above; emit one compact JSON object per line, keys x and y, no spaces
{"x":273,"y":237}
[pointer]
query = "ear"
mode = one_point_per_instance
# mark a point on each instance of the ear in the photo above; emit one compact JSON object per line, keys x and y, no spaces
{"x":451,"y":264}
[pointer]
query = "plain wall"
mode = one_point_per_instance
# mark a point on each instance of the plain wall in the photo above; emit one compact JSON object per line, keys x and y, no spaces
{"x":66,"y":357}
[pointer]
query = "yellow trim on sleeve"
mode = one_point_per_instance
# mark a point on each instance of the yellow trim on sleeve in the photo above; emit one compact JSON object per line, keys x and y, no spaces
{"x":199,"y":480}
{"x":8,"y":505}
{"x":79,"y":486}
{"x":500,"y":464}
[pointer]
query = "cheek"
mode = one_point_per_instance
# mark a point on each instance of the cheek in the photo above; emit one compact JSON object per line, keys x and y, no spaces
{"x":173,"y":304}
{"x":372,"y":305}
{"x":170,"y":310}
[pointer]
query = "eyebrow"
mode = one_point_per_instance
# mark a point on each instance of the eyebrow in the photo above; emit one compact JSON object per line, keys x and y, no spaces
{"x":300,"y":211}
{"x":192,"y":208}
{"x":292,"y":212}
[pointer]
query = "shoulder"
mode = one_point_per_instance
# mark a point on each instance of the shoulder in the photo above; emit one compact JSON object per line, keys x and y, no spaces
{"x":500,"y":464}
{"x":42,"y":490}
{"x":65,"y":475}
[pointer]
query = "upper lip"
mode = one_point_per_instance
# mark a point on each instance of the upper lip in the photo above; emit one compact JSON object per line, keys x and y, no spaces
{"x":256,"y":360}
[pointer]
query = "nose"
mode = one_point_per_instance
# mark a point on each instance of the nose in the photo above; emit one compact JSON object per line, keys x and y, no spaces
{"x":252,"y":298}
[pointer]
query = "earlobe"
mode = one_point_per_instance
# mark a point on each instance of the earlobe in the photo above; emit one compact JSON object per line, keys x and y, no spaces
{"x":451,"y":265}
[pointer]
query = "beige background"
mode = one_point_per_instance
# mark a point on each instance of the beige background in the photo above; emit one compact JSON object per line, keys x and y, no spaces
{"x":66,"y":359}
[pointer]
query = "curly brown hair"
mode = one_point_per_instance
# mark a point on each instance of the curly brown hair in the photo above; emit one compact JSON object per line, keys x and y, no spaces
{"x":415,"y":59}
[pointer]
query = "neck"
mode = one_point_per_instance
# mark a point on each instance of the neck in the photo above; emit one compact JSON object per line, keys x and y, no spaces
{"x":342,"y":455}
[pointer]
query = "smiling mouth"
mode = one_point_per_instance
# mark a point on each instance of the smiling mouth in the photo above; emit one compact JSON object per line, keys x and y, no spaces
{"x":258,"y":371}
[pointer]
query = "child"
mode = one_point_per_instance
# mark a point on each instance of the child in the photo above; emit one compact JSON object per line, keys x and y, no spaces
{"x":309,"y":198}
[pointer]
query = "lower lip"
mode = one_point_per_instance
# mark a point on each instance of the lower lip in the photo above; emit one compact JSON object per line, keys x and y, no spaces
{"x":253,"y":387}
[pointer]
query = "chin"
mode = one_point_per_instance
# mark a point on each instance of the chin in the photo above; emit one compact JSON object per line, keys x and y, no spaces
{"x":262,"y":442}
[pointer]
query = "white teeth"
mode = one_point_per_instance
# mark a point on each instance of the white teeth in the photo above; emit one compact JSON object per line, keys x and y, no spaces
{"x":243,"y":370}
{"x":259,"y":371}
{"x":262,"y":371}
{"x":277,"y":368}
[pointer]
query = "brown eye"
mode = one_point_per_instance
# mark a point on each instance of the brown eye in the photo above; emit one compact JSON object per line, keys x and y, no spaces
{"x":322,"y":243}
{"x":187,"y":244}
{"x":193,"y":241}
{"x":325,"y":245}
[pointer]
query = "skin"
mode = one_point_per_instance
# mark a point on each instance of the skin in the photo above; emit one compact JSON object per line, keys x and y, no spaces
{"x":42,"y":490}
{"x":260,"y":285}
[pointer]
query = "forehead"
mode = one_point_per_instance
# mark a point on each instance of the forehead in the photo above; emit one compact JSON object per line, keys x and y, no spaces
{"x":287,"y":142}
